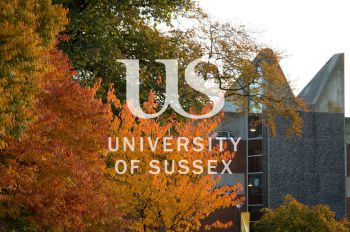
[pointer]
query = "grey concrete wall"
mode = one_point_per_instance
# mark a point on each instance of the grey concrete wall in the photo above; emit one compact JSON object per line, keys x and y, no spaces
{"x":332,"y":96}
{"x":325,"y":92}
{"x":311,"y":168}
{"x":347,"y":186}
{"x":347,"y":130}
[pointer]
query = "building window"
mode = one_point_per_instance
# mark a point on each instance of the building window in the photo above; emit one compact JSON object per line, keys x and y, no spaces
{"x":255,"y":194}
{"x":255,"y":147}
{"x":254,"y":126}
{"x":255,"y":163}
{"x":225,"y":134}
{"x":255,"y":213}
{"x":255,"y":167}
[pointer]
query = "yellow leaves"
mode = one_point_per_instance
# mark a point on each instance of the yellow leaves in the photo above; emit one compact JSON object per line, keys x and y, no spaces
{"x":277,"y":99}
{"x":69,"y":182}
{"x":27,"y":35}
{"x":55,"y":170}
{"x":176,"y":202}
{"x":292,"y":215}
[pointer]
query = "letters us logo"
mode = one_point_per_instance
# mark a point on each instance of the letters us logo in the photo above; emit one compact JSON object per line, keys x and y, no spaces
{"x":171,"y":95}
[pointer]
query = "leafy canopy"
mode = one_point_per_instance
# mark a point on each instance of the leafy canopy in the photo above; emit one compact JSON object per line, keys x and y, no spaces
{"x":101,"y":32}
{"x":295,"y":216}
{"x":53,"y":176}
{"x":167,"y":202}
{"x":28,"y":30}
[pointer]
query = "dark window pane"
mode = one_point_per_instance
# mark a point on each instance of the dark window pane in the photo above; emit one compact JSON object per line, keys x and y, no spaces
{"x":256,"y":199}
{"x":255,"y":213}
{"x":255,"y":147}
{"x":255,"y":164}
{"x":255,"y":193}
{"x":255,"y":180}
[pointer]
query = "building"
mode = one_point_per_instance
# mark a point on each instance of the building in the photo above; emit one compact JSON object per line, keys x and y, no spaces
{"x":313,"y":168}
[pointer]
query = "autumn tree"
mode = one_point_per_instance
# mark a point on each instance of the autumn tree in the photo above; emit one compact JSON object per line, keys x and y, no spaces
{"x":28,"y":30}
{"x":295,"y":216}
{"x":167,"y":201}
{"x":249,"y":73}
{"x":100,"y":32}
{"x":52,"y":178}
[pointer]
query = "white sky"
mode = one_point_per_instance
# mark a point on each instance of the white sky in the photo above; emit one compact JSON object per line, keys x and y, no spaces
{"x":308,"y":32}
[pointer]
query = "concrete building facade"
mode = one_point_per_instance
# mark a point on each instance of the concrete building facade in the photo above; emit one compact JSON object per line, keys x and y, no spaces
{"x":314,"y":168}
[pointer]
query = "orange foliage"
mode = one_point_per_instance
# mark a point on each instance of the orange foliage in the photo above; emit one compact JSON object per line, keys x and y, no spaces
{"x":54,"y":172}
{"x":28,"y":30}
{"x":55,"y":175}
{"x":162,"y":202}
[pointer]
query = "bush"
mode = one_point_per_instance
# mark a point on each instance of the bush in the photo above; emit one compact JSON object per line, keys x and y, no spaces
{"x":295,"y":216}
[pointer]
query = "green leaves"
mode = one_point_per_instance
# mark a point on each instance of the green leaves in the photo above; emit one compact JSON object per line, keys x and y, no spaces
{"x":100,"y":32}
{"x":294,"y":216}
{"x":28,"y":30}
